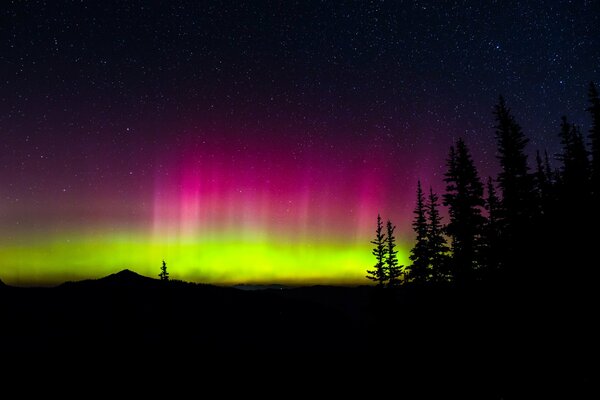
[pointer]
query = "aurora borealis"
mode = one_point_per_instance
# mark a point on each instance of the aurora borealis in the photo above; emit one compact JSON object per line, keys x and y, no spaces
{"x":248,"y":143}
{"x":216,"y":216}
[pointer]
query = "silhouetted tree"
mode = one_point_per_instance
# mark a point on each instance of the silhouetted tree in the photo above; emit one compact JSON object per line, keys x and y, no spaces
{"x":541,"y":182}
{"x":590,"y":273}
{"x":565,"y":141}
{"x":581,"y":165}
{"x":574,"y":212}
{"x":437,"y":248}
{"x":492,"y":204}
{"x":575,"y":164}
{"x":378,"y":274}
{"x":552,"y":181}
{"x":393,"y":270}
{"x":548,"y":169}
{"x":464,"y":198}
{"x":164,"y":275}
{"x":594,"y":136}
{"x":519,"y":211}
{"x":419,"y":254}
{"x":492,"y":229}
{"x":545,"y":187}
{"x":515,"y":182}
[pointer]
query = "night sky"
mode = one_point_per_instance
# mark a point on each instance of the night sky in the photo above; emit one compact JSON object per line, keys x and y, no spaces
{"x":258,"y":142}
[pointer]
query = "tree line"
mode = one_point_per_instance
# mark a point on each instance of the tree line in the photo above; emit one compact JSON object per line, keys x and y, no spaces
{"x":529,"y":223}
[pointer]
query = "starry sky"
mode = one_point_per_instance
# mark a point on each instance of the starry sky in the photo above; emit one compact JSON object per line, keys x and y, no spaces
{"x":255,"y":142}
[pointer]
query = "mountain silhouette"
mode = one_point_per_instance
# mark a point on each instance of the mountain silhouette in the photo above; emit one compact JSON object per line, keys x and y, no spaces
{"x":126,"y":311}
{"x":127,"y":277}
{"x":124,"y":278}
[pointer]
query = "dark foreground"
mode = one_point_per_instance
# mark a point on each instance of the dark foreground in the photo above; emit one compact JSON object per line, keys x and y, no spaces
{"x":494,"y":336}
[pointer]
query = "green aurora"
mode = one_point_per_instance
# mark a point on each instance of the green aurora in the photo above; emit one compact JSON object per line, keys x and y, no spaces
{"x":52,"y":259}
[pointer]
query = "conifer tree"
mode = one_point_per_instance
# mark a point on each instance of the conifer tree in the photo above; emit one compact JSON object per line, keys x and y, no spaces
{"x":464,"y":198}
{"x":492,"y":204}
{"x":378,"y":274}
{"x":575,"y":164}
{"x":518,"y":207}
{"x":565,"y":141}
{"x":393,"y":270}
{"x":514,"y":179}
{"x":594,"y":110}
{"x":541,"y":182}
{"x":164,"y":275}
{"x":492,"y":230}
{"x":548,"y":169}
{"x":581,"y":163}
{"x":419,"y":254}
{"x":437,"y":248}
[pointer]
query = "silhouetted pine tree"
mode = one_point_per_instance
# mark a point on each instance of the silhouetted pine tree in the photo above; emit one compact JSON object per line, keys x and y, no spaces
{"x":515,"y":182}
{"x":565,"y":141}
{"x":492,"y":229}
{"x":590,"y":273}
{"x":518,"y":206}
{"x":492,"y":204}
{"x":164,"y":275}
{"x":548,"y":169}
{"x":575,"y":164}
{"x":541,"y":182}
{"x":594,"y":136}
{"x":580,"y":154}
{"x":553,"y":179}
{"x":464,"y":198}
{"x":437,"y":248}
{"x":393,"y":270}
{"x":574,"y":212}
{"x":581,"y":165}
{"x":378,"y":274}
{"x":419,"y":256}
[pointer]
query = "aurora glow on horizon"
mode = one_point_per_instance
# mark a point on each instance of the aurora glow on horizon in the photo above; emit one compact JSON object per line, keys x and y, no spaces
{"x":220,"y":217}
{"x":256,"y":143}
